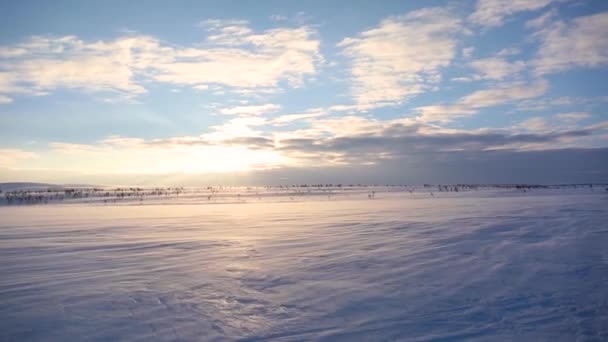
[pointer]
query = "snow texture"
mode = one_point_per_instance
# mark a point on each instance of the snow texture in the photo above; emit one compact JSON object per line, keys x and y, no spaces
{"x":489,"y":265}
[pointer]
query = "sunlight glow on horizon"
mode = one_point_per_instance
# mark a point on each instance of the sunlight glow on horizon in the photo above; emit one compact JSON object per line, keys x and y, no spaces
{"x":166,"y":160}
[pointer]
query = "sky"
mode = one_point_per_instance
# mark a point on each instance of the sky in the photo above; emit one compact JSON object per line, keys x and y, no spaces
{"x":269,"y":92}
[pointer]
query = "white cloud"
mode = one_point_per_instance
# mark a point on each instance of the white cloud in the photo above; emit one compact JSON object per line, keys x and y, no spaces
{"x":349,"y":109}
{"x":233,"y":56}
{"x":8,"y":52}
{"x":251,"y":110}
{"x":235,"y":128}
{"x":216,"y":24}
{"x":288,"y":118}
{"x":573,"y":117}
{"x":201,"y":87}
{"x":462,"y":79}
{"x":545,"y":103}
{"x":535,"y":124}
{"x":467,"y":52}
{"x":492,"y":13}
{"x":563,"y":121}
{"x":504,"y":94}
{"x":12,"y":156}
{"x":582,"y":42}
{"x":444,"y":113}
{"x":542,"y":20}
{"x":508,"y":52}
{"x":348,"y":125}
{"x":278,"y":17}
{"x":401,"y":57}
{"x":5,"y":99}
{"x":495,"y":68}
{"x":470,"y":104}
{"x":242,"y":59}
{"x":49,"y":63}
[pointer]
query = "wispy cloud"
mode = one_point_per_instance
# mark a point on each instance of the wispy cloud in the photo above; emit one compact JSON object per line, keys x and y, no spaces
{"x":403,"y":56}
{"x":496,"y":68}
{"x":493,"y":13}
{"x":235,"y":128}
{"x":239,"y":58}
{"x":539,"y":104}
{"x":5,"y":99}
{"x":232,"y":56}
{"x":556,"y":122}
{"x":470,"y":104}
{"x":48,"y":63}
{"x":573,"y":117}
{"x":542,"y":20}
{"x":581,"y":42}
{"x":288,"y":118}
{"x":251,"y":110}
{"x":13,"y":156}
{"x":535,"y":124}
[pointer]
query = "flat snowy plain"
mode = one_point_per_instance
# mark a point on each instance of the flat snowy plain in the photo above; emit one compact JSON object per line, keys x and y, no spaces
{"x":489,"y":265}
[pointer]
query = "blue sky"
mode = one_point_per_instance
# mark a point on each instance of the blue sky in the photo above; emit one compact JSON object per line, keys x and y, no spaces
{"x":118,"y":91}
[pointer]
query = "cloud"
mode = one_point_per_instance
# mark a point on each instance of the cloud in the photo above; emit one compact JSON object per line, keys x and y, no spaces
{"x":242,"y":143}
{"x":238,"y":131}
{"x":492,"y":13}
{"x":184,"y":155}
{"x":312,"y":113}
{"x":48,"y":63}
{"x":557,"y":122}
{"x":368,"y":142}
{"x":251,"y":110}
{"x":535,"y":124}
{"x":356,"y":140}
{"x":542,"y":20}
{"x":278,"y":17}
{"x":508,"y":52}
{"x":13,"y":156}
{"x":467,"y":52}
{"x":5,"y":99}
{"x":232,"y":56}
{"x":201,"y":87}
{"x":496,"y":68}
{"x":573,"y":117}
{"x":236,"y":128}
{"x":545,"y":103}
{"x":244,"y":60}
{"x":401,"y":57}
{"x":398,"y":141}
{"x":470,"y":104}
{"x":581,"y":42}
{"x":504,"y":94}
{"x":288,"y":118}
{"x":219,"y":23}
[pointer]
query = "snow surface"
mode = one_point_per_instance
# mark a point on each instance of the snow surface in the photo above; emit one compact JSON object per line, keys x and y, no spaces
{"x":480,"y":265}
